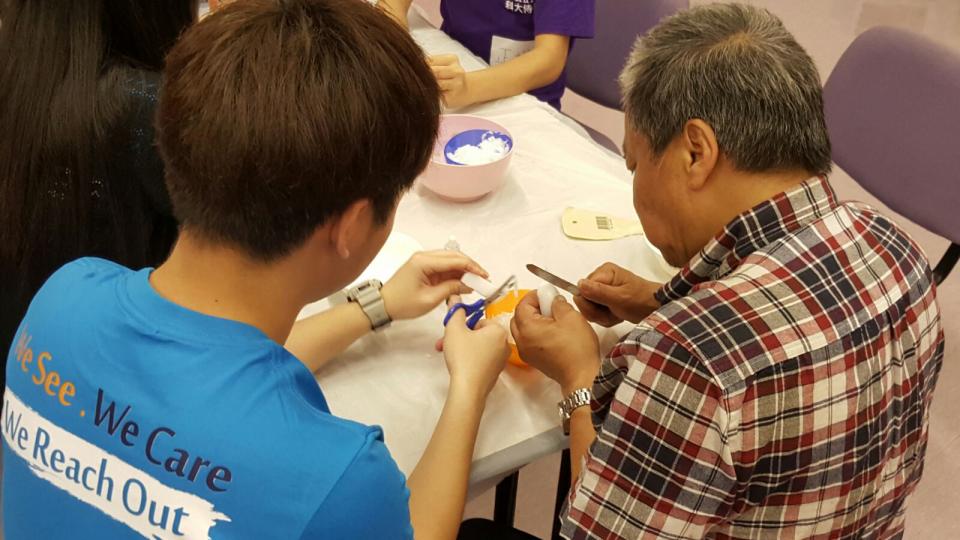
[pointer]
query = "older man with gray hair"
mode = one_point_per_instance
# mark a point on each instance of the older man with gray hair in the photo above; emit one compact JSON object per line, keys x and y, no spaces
{"x":780,"y":385}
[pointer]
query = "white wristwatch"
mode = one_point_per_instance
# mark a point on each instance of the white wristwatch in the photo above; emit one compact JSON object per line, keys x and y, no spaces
{"x":580,"y":397}
{"x":367,"y":296}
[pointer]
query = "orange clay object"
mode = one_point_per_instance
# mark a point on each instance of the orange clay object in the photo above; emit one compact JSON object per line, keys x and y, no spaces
{"x":506,"y":305}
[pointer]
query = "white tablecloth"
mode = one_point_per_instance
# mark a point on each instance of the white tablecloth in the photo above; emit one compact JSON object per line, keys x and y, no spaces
{"x":395,"y":379}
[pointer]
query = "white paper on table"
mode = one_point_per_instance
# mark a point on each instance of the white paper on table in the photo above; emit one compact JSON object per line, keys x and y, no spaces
{"x":503,"y":49}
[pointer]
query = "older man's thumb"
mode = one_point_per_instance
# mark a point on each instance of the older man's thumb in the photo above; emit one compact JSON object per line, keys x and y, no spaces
{"x":560,"y":307}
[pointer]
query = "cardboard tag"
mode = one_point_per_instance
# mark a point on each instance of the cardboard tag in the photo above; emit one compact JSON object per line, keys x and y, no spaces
{"x":589,"y":225}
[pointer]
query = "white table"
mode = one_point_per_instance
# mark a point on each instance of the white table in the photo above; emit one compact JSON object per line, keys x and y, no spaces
{"x":395,"y":379}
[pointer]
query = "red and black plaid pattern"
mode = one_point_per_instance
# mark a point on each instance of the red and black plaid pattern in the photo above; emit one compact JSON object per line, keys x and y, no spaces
{"x":782,"y":391}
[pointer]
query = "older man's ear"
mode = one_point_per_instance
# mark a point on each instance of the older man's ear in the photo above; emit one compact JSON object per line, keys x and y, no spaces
{"x":701,"y":151}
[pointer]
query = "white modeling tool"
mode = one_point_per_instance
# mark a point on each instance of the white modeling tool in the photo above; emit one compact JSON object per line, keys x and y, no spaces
{"x":546,"y":294}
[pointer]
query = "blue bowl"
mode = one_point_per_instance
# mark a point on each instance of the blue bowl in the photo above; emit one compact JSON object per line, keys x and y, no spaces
{"x":472,"y":137}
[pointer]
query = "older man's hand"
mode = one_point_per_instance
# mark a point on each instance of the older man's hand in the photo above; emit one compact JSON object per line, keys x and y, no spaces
{"x":612,"y":294}
{"x":564,"y":347}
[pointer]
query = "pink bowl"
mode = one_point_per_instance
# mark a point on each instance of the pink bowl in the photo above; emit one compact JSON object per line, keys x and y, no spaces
{"x":462,"y":183}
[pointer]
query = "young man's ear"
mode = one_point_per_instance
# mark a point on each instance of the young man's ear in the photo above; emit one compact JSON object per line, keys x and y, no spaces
{"x":350,"y":227}
{"x":702,"y":150}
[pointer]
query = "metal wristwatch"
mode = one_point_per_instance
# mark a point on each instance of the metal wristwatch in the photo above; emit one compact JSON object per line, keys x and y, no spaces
{"x":367,"y":295}
{"x":580,"y":397}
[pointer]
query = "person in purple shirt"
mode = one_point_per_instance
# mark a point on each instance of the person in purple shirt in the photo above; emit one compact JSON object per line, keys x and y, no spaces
{"x":526,"y":43}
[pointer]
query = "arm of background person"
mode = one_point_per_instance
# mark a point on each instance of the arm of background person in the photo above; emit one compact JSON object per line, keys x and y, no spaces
{"x":397,"y":9}
{"x":536,"y":68}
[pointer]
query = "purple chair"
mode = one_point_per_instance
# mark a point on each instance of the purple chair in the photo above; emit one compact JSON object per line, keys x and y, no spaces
{"x":594,"y":65}
{"x":892,"y":107}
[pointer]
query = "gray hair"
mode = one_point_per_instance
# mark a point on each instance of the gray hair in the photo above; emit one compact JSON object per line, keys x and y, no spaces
{"x":737,"y":68}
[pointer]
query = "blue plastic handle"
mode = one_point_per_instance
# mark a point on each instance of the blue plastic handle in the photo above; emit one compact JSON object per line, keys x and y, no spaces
{"x":474,"y":312}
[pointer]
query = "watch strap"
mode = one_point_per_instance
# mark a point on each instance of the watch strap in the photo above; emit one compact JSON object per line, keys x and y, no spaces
{"x":367,"y":296}
{"x":580,"y":397}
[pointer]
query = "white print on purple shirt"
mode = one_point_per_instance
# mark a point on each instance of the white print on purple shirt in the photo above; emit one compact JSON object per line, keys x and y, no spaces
{"x":524,"y":7}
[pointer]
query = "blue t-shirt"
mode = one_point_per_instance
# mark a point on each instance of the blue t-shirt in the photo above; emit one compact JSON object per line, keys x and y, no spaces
{"x":128,"y":416}
{"x":499,"y":30}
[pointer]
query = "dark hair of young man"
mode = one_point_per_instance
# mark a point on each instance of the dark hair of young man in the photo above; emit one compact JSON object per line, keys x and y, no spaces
{"x":244,"y":168}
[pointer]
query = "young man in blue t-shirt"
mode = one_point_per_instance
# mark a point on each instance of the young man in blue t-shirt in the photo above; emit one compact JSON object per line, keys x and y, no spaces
{"x":163,"y":403}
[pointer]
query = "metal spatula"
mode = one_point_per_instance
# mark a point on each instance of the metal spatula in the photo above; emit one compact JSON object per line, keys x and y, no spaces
{"x":591,"y":225}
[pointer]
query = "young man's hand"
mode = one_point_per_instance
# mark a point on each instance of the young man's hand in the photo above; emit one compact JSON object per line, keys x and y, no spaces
{"x":611,"y":295}
{"x":564,"y":347}
{"x":452,"y":80}
{"x":426,"y":280}
{"x":475,"y":358}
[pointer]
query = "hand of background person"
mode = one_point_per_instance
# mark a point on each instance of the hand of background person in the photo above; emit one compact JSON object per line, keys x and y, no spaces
{"x":612,"y":294}
{"x":474,"y":358}
{"x":452,"y":80}
{"x":426,"y":280}
{"x":564,"y":347}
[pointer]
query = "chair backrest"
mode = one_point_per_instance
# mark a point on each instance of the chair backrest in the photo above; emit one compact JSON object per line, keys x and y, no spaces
{"x":892,"y":107}
{"x":594,"y":64}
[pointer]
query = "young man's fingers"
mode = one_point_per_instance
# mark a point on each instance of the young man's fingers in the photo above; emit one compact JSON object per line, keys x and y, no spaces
{"x":459,"y":317}
{"x":441,"y":264}
{"x":445,"y":289}
{"x":471,"y":265}
{"x":457,"y":325}
{"x":488,"y":326}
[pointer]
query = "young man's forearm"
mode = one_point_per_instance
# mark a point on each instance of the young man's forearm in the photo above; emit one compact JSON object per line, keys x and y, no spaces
{"x":534,"y":69}
{"x":438,"y":485}
{"x":317,"y":339}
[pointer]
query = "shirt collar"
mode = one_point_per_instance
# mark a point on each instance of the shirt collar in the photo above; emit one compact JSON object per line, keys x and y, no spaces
{"x":750,"y":231}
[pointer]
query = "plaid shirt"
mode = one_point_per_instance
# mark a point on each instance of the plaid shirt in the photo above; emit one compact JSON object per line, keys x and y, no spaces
{"x":782,"y":390}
